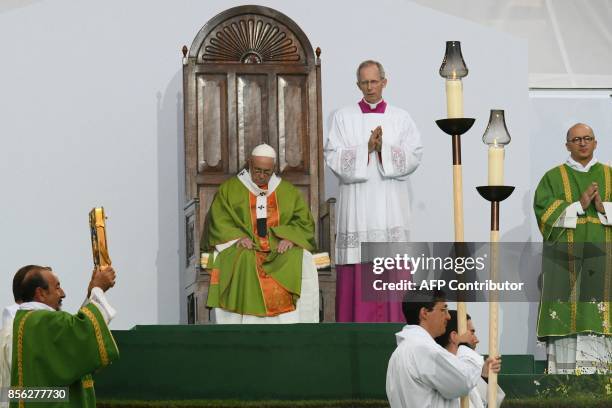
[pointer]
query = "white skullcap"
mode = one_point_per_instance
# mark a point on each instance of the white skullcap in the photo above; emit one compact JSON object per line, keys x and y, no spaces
{"x":264,"y":150}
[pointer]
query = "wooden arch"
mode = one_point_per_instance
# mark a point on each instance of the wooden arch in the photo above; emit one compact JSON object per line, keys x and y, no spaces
{"x":250,"y":77}
{"x":252,"y":35}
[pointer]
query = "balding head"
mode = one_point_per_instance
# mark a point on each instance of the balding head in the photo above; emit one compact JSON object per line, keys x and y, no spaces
{"x":41,"y":285}
{"x":579,"y":129}
{"x":580,"y":142}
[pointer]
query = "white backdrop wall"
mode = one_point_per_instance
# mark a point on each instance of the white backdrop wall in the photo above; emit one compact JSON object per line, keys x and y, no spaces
{"x":91,"y":114}
{"x":552,"y":113}
{"x":569,"y":40}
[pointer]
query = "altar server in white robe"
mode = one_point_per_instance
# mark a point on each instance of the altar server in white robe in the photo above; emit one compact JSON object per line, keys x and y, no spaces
{"x":450,"y":341}
{"x":421,"y":373}
{"x":372,"y":147}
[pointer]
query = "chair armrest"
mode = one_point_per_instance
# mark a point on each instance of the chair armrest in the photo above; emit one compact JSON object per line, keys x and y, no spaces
{"x":327,"y":230}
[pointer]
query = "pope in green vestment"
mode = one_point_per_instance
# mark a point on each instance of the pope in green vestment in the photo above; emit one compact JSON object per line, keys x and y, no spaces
{"x":573,"y":214}
{"x":264,"y":276}
{"x":57,"y":349}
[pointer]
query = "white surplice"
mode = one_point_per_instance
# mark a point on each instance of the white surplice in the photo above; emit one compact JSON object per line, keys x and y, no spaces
{"x":421,"y":373}
{"x":8,"y":314}
{"x":6,"y":345}
{"x":478,"y":395}
{"x":374,"y":199}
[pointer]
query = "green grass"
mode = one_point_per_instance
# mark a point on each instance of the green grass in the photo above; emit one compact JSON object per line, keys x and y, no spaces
{"x":568,"y":402}
{"x":244,"y":404}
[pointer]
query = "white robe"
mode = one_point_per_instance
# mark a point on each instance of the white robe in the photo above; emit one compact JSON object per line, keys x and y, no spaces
{"x":6,"y":344}
{"x":421,"y":373}
{"x":478,"y":395}
{"x":582,"y":353}
{"x":374,"y":197}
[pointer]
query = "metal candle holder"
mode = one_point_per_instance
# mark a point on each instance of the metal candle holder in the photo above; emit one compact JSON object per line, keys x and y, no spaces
{"x":494,"y":194}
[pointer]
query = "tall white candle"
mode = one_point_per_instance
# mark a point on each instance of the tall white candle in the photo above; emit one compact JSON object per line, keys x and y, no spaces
{"x":454,"y":98}
{"x":496,"y":165}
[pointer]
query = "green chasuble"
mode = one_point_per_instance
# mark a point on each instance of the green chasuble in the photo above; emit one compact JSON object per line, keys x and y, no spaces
{"x":576,"y":263}
{"x":259,"y":281}
{"x":57,"y":349}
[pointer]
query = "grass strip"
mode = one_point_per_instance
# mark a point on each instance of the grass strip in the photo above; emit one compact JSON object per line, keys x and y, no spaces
{"x":567,"y":402}
{"x":244,"y":404}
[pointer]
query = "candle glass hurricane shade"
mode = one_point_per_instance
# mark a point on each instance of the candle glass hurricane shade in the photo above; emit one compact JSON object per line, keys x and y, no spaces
{"x":497,"y":131}
{"x":453,"y":66}
{"x":496,"y":137}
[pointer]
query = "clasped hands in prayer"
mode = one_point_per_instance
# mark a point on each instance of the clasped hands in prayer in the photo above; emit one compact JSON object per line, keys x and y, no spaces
{"x":282,"y":246}
{"x":375,"y":142}
{"x":591,"y":194}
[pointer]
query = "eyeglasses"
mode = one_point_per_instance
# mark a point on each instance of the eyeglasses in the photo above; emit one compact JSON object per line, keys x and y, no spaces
{"x":586,"y":139}
{"x":374,"y":82}
{"x":264,"y":172}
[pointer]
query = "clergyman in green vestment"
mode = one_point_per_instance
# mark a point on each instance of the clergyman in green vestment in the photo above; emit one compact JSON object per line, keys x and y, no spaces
{"x":52,"y":348}
{"x":260,"y":233}
{"x":573,"y":207}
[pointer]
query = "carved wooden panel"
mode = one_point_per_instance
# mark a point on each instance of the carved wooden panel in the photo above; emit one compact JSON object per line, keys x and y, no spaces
{"x":190,"y":239}
{"x":251,"y":39}
{"x":211,"y":97}
{"x":293,"y":143}
{"x":252,"y":113}
{"x":206,"y":195}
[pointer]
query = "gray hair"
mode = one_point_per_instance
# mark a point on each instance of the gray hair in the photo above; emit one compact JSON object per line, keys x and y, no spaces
{"x":367,"y":63}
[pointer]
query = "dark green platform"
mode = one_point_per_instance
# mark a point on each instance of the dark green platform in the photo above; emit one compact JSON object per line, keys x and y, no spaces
{"x":268,"y":362}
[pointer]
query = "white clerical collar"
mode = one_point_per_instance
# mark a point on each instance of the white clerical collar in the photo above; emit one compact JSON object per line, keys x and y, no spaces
{"x":35,"y":306}
{"x":579,"y":167}
{"x":261,"y":206}
{"x":412,"y":330}
{"x":372,"y":105}
{"x":245,"y":177}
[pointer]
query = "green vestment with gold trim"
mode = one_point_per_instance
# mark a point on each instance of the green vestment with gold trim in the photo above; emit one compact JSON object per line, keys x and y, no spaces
{"x":57,"y":349}
{"x":576,"y":263}
{"x":238,"y":274}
